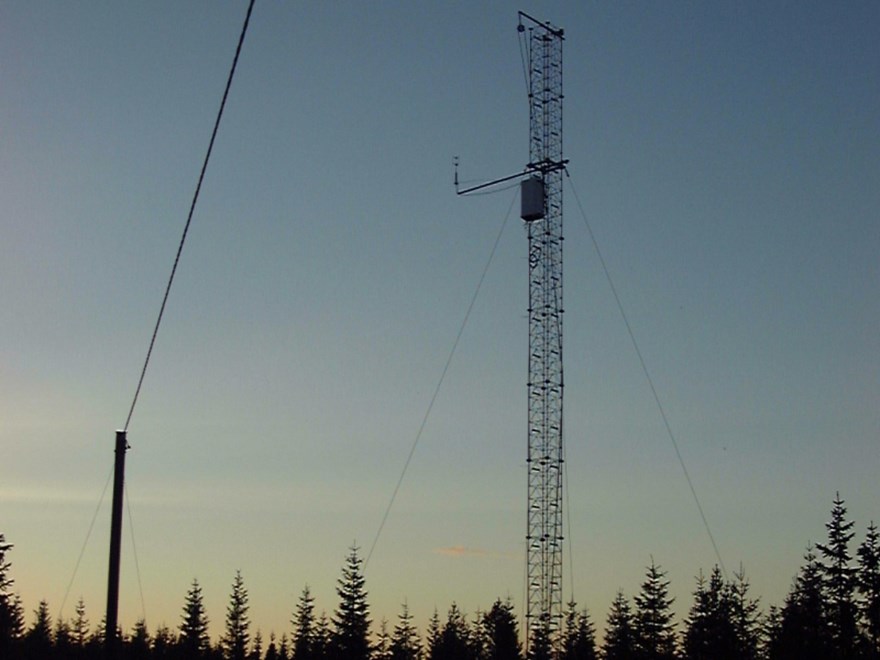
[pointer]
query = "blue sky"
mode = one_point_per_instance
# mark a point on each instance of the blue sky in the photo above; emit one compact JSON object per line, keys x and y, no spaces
{"x":728,"y":158}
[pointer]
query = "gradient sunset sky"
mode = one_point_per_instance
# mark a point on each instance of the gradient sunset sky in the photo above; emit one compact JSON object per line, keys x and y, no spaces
{"x":727,"y":156}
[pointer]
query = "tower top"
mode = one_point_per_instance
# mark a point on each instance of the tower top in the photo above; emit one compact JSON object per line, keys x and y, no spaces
{"x":555,"y":31}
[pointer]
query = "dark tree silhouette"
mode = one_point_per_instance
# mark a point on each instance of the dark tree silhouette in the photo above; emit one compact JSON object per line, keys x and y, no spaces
{"x":284,"y":652}
{"x":284,"y":648}
{"x":236,"y":638}
{"x":746,"y":617}
{"x":803,"y":632}
{"x":832,"y":612}
{"x":193,"y":642}
{"x":771,"y":632}
{"x":654,"y":630}
{"x":477,"y":640}
{"x":137,"y":646}
{"x":351,"y":621}
{"x":453,"y":640}
{"x":869,"y":588}
{"x":405,"y":642}
{"x":541,"y":643}
{"x":96,"y":639}
{"x":11,"y":615}
{"x":272,"y":649}
{"x":697,"y":635}
{"x":382,"y":647}
{"x":501,"y":632}
{"x":79,"y":627}
{"x":38,"y":638}
{"x":163,"y":643}
{"x":710,"y":633}
{"x":578,"y":636}
{"x":62,"y":641}
{"x":323,"y":639}
{"x":257,"y":650}
{"x":304,"y":627}
{"x":432,"y":635}
{"x":839,"y":581}
{"x":619,"y":642}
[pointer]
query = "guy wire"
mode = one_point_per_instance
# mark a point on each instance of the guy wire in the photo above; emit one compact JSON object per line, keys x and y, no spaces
{"x":650,"y":380}
{"x":85,"y":543}
{"x":190,"y":215}
{"x":415,"y":443}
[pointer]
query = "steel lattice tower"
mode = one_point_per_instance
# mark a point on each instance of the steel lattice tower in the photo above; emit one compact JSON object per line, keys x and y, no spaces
{"x":545,"y":382}
{"x":541,"y":192}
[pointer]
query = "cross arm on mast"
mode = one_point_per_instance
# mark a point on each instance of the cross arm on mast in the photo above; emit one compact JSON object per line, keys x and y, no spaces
{"x":530,"y":169}
{"x":557,"y":32}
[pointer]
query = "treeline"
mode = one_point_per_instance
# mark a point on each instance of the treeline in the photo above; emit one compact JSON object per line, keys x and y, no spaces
{"x":832,"y":612}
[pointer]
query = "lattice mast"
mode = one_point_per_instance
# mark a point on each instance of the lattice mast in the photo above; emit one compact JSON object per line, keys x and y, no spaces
{"x":542,"y":212}
{"x":541,"y":197}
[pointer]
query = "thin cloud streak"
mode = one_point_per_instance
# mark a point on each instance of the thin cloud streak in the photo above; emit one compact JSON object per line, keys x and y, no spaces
{"x":462,"y":551}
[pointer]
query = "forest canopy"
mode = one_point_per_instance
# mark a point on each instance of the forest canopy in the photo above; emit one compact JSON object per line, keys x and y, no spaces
{"x":832,"y":611}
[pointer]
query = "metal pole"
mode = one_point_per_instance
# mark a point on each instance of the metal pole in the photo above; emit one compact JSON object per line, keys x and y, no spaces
{"x":111,"y":639}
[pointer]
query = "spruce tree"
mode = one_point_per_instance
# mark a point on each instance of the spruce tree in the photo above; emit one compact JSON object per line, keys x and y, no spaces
{"x":79,"y":627}
{"x":322,"y":647}
{"x":11,"y":616}
{"x":579,"y":636}
{"x":99,"y":636}
{"x":501,"y":632}
{"x":771,"y":634}
{"x":432,"y":635}
{"x":257,"y":651}
{"x":236,"y":638}
{"x":163,"y":643}
{"x":804,"y":632}
{"x":619,"y":642}
{"x":137,"y":646}
{"x":839,"y":581}
{"x":654,"y":630}
{"x":405,"y":642}
{"x":272,"y":649}
{"x":304,"y":627}
{"x":478,"y":641}
{"x":382,"y":648}
{"x":454,"y":639}
{"x":63,"y":641}
{"x":193,"y":642}
{"x":869,"y":588}
{"x":710,"y":633}
{"x":351,"y":621}
{"x":746,"y":617}
{"x":541,"y":643}
{"x":38,"y":638}
{"x":283,"y":648}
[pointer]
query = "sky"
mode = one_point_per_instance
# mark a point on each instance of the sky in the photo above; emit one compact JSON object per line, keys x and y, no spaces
{"x":726,"y":156}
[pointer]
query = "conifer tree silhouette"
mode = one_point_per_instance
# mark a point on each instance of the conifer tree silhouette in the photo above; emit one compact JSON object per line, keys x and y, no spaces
{"x":839,"y":581}
{"x":579,"y":635}
{"x":804,"y":632}
{"x":351,"y":621}
{"x":501,"y":632}
{"x":869,"y":588}
{"x":654,"y":630}
{"x":619,"y":642}
{"x":193,"y":642}
{"x":236,"y":639}
{"x":38,"y":638}
{"x":304,"y":627}
{"x":11,"y":615}
{"x":405,"y":642}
